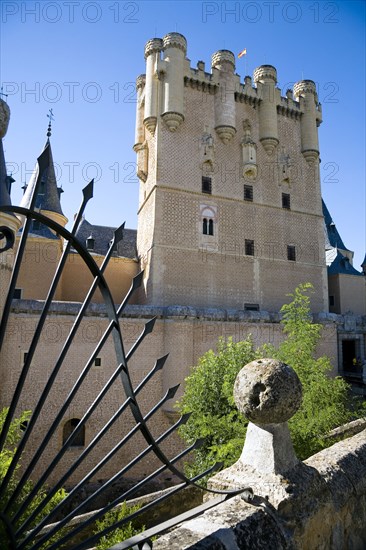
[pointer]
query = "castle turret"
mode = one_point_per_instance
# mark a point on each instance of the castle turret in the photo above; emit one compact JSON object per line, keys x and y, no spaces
{"x":152,"y":55}
{"x":48,"y":196}
{"x":305,"y":92}
{"x":140,"y":146}
{"x":175,"y":48}
{"x":5,"y":180}
{"x":224,"y":62}
{"x":9,"y":223}
{"x":265,"y":78}
{"x":139,"y":129}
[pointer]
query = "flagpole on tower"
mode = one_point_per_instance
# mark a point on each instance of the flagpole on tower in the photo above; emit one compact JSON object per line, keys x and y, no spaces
{"x":243,"y":53}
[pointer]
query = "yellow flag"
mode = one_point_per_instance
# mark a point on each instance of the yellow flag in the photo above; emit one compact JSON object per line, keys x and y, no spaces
{"x":243,"y":52}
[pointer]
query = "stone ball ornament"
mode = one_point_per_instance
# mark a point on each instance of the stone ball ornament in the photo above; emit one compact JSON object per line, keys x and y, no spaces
{"x":267,"y":391}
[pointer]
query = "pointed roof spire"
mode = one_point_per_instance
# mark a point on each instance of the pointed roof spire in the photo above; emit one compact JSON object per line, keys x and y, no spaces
{"x":333,"y":238}
{"x":48,"y":196}
{"x":5,"y":180}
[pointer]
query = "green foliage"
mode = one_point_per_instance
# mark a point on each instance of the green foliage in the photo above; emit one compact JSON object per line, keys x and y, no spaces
{"x":327,"y":402}
{"x":6,"y":456}
{"x":209,"y":397}
{"x":209,"y":391}
{"x":120,"y":534}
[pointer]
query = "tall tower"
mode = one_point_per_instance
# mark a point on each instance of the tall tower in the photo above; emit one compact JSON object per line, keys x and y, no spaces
{"x":9,"y":223}
{"x":230,"y":211}
{"x":44,"y":246}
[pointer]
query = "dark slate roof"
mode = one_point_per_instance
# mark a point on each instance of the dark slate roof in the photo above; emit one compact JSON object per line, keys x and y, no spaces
{"x":102,"y":236}
{"x":332,"y":234}
{"x":41,"y":230}
{"x":48,"y":197}
{"x":5,"y":180}
{"x":341,"y":264}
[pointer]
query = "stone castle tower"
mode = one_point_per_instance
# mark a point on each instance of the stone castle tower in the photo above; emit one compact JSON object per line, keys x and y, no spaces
{"x":230,"y":211}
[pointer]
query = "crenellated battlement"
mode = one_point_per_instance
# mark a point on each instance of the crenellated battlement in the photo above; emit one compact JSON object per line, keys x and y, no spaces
{"x":221,"y":57}
{"x":175,"y":40}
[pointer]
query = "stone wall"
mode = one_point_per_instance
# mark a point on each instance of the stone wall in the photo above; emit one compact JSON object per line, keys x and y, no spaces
{"x":186,"y":333}
{"x":322,"y":507}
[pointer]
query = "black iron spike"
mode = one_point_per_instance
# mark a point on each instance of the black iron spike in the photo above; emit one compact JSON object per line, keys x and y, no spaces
{"x":149,"y":326}
{"x":88,"y":191}
{"x":161,"y":362}
{"x":118,"y":234}
{"x":146,"y":330}
{"x":171,"y":392}
{"x":137,"y":280}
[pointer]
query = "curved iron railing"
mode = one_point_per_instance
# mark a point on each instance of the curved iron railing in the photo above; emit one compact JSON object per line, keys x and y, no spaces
{"x":24,"y":518}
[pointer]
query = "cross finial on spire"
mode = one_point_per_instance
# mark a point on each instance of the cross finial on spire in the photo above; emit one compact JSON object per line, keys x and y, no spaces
{"x":51,"y":117}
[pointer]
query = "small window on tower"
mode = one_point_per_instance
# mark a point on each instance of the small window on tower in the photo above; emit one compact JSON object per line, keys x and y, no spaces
{"x":97,"y":362}
{"x":251,"y":307}
{"x":208,"y":226}
{"x":206,"y":185}
{"x":286,"y":202}
{"x":17,"y":293}
{"x":249,"y":247}
{"x":291,"y":253}
{"x":248,"y":193}
{"x":331,"y":301}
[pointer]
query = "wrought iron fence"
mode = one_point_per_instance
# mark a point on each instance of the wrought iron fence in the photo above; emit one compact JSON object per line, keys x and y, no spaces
{"x":26,"y":509}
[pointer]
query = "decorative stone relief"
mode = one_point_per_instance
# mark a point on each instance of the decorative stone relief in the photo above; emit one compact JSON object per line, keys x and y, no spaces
{"x":207,"y":148}
{"x":284,"y":163}
{"x":249,"y":153}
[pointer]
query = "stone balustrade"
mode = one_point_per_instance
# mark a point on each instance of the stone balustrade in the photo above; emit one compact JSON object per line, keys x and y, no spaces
{"x":316,"y":504}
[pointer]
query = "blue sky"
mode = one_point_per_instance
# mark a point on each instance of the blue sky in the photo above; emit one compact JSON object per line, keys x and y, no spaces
{"x":82,"y":58}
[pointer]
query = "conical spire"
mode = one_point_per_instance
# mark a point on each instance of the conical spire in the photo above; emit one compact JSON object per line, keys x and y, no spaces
{"x":333,"y":238}
{"x":48,"y":196}
{"x":5,"y":180}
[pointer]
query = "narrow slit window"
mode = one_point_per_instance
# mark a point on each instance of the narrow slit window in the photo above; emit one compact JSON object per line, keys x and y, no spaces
{"x":205,"y":226}
{"x":210,"y":227}
{"x":286,"y":201}
{"x":206,"y":185}
{"x":291,"y":253}
{"x":249,"y":247}
{"x":251,"y":307}
{"x":248,"y":193}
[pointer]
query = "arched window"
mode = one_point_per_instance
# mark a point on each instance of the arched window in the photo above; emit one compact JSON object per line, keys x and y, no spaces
{"x":208,"y":220}
{"x":69,"y":427}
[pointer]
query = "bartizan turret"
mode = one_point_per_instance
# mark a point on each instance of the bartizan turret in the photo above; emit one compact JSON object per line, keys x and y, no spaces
{"x":224,"y":62}
{"x":305,"y":92}
{"x":265,"y":78}
{"x":140,"y":146}
{"x":152,"y":55}
{"x":140,"y":128}
{"x":174,"y":48}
